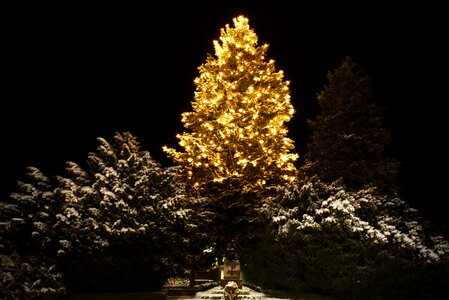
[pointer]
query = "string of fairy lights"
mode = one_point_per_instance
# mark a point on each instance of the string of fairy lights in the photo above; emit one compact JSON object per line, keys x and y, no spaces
{"x":237,"y":128}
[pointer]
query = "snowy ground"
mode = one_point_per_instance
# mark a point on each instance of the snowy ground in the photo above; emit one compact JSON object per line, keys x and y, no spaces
{"x":245,"y":293}
{"x":214,"y":293}
{"x":217,"y":293}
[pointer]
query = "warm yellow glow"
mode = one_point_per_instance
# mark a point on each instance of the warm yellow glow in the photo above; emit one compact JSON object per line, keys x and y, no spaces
{"x":237,"y":126}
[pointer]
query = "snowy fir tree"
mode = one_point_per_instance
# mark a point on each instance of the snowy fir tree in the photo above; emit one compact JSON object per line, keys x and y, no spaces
{"x":349,"y":140}
{"x":28,"y":241}
{"x":237,"y":138}
{"x":112,"y":197}
{"x":325,"y":239}
{"x":124,"y":211}
{"x":34,"y":206}
{"x":78,"y":231}
{"x":342,"y":229}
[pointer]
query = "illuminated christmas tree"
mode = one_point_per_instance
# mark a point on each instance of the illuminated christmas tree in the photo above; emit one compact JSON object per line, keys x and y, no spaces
{"x":238,"y":138}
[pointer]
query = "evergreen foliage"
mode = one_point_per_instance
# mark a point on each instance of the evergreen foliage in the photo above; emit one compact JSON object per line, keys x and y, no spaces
{"x":122,"y":222}
{"x":349,"y":140}
{"x":324,"y":239}
{"x":124,"y":211}
{"x":237,"y":139}
{"x":28,"y":241}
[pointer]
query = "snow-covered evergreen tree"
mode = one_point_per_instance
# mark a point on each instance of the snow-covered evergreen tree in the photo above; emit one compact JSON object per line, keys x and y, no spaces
{"x":119,"y":195}
{"x":189,"y":221}
{"x":323,"y":237}
{"x":78,"y":229}
{"x":27,"y":276}
{"x":349,"y":140}
{"x":237,"y":139}
{"x":28,"y":241}
{"x":383,"y":219}
{"x":125,"y":202}
{"x":34,"y":206}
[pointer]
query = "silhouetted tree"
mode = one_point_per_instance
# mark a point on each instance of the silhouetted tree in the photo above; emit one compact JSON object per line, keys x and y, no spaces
{"x":349,"y":140}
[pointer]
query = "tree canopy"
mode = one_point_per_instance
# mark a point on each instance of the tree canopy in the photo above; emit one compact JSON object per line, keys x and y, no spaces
{"x":349,"y":140}
{"x":237,"y":137}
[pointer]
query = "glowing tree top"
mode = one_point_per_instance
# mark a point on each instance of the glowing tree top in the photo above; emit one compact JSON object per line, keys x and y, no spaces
{"x":237,"y":138}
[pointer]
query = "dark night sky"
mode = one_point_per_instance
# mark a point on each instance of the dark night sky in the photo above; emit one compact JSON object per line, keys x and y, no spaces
{"x":74,"y":76}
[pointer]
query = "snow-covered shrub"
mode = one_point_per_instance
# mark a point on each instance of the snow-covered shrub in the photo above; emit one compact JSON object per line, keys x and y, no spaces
{"x":324,"y":239}
{"x":380,"y":219}
{"x":27,"y":241}
{"x":123,"y":203}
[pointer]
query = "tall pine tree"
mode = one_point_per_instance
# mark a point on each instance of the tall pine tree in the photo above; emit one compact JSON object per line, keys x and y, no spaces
{"x":237,"y":139}
{"x":349,"y":140}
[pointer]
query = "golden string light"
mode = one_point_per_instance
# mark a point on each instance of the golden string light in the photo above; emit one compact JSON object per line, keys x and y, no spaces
{"x":237,"y":126}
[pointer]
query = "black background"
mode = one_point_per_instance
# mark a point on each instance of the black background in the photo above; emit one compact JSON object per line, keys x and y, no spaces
{"x":74,"y":74}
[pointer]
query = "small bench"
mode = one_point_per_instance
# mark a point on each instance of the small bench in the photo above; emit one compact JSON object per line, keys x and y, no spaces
{"x":204,"y":276}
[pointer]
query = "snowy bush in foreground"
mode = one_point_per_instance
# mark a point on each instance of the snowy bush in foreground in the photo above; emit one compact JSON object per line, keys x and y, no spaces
{"x":29,"y":278}
{"x":27,"y":241}
{"x":323,"y":239}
